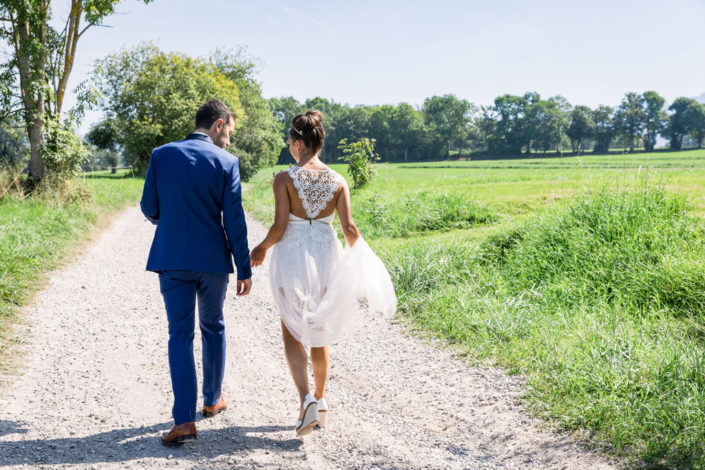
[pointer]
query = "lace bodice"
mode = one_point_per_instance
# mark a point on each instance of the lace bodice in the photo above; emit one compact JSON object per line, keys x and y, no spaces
{"x":316,"y":188}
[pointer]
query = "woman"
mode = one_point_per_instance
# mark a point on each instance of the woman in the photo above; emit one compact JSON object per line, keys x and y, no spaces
{"x":317,"y":285}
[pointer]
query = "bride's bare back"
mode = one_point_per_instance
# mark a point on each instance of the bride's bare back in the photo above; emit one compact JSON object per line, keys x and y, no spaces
{"x":313,"y":192}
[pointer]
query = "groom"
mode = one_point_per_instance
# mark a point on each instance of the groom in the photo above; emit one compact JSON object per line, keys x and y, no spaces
{"x":192,"y":193}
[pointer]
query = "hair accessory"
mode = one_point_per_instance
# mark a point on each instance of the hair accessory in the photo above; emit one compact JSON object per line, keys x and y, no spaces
{"x":298,"y":131}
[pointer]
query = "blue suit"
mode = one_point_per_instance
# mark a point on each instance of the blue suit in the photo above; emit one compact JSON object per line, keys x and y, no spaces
{"x":192,"y":193}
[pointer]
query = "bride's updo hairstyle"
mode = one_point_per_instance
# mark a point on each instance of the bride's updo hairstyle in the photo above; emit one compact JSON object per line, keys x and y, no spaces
{"x":308,"y":129}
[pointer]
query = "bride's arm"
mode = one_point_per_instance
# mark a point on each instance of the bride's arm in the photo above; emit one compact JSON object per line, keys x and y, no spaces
{"x":350,"y":231}
{"x":281,"y":220}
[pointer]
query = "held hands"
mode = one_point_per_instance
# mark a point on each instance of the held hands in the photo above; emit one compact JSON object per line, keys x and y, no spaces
{"x":243,"y":287}
{"x":257,"y":256}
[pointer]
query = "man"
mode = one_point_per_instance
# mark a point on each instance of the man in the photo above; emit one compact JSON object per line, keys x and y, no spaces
{"x":192,"y":193}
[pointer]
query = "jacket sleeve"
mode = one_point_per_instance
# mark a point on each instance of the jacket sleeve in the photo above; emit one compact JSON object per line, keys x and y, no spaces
{"x":150,"y":200}
{"x":234,"y":223}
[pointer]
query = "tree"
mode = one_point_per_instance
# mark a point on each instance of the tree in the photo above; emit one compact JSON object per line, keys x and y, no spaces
{"x":406,"y":127}
{"x":379,"y":125}
{"x":529,"y":122}
{"x":284,"y":110}
{"x":603,"y":117}
{"x":549,"y":122}
{"x":656,"y":118}
{"x":257,"y":142}
{"x":509,"y":136}
{"x":679,"y":122}
{"x":582,"y":126}
{"x":448,"y":116}
{"x":630,"y":118}
{"x":696,"y":118}
{"x":42,"y":58}
{"x":486,"y":126}
{"x":150,"y":98}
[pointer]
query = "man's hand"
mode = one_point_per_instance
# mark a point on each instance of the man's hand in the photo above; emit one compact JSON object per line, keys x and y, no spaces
{"x":257,"y":256}
{"x":243,"y":287}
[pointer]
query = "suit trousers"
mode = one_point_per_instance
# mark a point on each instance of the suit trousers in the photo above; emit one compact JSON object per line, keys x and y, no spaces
{"x":181,"y":290}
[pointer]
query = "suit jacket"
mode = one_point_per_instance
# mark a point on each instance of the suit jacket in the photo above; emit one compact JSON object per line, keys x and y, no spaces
{"x":192,"y":193}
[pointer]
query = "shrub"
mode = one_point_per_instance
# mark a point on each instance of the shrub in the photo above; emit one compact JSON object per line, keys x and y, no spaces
{"x":360,"y":157}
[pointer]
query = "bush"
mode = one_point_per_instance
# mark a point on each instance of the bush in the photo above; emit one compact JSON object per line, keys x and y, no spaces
{"x":63,"y":153}
{"x":360,"y":157}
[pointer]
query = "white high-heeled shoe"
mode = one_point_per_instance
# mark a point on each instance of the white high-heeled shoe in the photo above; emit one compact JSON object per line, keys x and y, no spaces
{"x":322,"y":412}
{"x":309,"y":416}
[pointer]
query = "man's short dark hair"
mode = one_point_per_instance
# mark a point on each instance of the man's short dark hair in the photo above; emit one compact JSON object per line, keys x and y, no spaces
{"x":211,"y":111}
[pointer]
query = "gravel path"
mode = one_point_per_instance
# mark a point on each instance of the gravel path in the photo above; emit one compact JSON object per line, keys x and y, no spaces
{"x":95,"y":392}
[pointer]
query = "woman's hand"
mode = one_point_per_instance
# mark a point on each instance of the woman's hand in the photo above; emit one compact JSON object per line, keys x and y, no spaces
{"x":257,"y":256}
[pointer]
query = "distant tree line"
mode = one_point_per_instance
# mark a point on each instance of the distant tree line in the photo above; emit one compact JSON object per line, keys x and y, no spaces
{"x":447,"y":126}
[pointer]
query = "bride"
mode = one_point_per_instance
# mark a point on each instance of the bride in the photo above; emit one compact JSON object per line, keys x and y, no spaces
{"x":317,"y":286}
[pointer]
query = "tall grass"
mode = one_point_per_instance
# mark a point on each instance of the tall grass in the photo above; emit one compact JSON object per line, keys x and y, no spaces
{"x":599,"y":304}
{"x":418,"y":211}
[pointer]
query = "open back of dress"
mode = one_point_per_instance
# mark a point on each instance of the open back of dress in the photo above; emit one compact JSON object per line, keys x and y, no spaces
{"x":317,"y":286}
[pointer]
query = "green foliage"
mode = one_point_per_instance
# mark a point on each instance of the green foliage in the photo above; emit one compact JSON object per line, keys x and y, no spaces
{"x":13,"y":148}
{"x":447,"y":127}
{"x":656,"y":118}
{"x":448,"y":118}
{"x":63,"y":152}
{"x":150,"y":98}
{"x":582,"y":127}
{"x":678,"y":125}
{"x":360,"y":157}
{"x":40,"y":59}
{"x":630,"y":118}
{"x":603,"y":116}
{"x":257,"y":141}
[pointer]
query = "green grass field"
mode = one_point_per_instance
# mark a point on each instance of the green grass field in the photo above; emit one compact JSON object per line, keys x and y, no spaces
{"x":585,"y":275}
{"x":37,"y":234}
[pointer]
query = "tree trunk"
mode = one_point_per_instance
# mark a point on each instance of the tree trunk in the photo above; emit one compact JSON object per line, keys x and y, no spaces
{"x":72,"y":36}
{"x":406,"y":152}
{"x":36,"y":140}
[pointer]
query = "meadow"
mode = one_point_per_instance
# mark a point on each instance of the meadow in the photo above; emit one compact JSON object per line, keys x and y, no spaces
{"x":584,"y":274}
{"x":38,"y":233}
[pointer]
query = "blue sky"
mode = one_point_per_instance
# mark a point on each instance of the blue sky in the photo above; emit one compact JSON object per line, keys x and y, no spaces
{"x":389,"y":51}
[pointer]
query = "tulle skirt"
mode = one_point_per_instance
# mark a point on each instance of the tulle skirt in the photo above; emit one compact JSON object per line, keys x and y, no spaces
{"x":319,"y":287}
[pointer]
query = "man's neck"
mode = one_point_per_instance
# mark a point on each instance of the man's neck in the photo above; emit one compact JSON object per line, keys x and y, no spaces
{"x":200,"y":130}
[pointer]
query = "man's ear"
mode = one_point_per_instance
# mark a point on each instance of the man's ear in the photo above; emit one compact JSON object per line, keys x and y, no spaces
{"x":218,"y":125}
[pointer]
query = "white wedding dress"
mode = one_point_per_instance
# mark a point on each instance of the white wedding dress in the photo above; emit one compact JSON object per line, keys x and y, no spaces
{"x":317,"y":286}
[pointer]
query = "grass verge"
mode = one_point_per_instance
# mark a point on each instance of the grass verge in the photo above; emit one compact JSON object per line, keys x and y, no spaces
{"x":599,"y":304}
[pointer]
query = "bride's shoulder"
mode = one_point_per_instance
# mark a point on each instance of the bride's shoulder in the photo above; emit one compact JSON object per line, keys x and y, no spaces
{"x":283,"y":177}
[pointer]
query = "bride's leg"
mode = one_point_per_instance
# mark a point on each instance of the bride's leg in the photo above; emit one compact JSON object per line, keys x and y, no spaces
{"x":298,"y":362}
{"x":319,"y":361}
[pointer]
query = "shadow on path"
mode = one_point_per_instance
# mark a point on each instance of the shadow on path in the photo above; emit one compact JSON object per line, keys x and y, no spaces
{"x":122,"y":445}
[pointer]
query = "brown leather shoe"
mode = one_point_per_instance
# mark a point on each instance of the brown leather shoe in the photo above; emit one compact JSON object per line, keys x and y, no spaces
{"x":209,"y":411}
{"x":179,"y":434}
